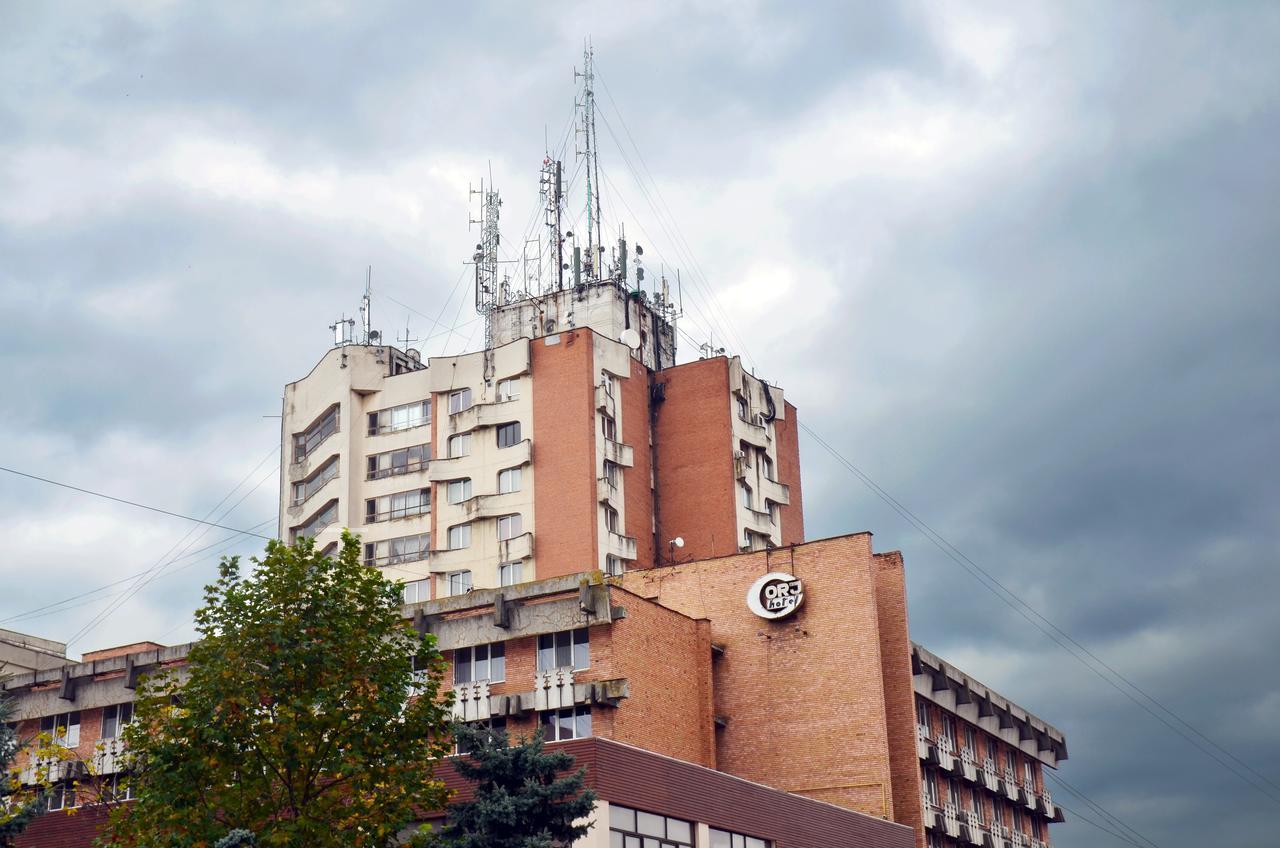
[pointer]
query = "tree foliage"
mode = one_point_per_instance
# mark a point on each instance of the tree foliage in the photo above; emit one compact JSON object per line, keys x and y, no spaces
{"x":17,"y":805}
{"x":525,"y":797}
{"x":291,"y":719}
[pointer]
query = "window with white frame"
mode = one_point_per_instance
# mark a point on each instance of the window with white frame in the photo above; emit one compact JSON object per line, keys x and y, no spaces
{"x":403,"y":417}
{"x":922,"y":714}
{"x":508,"y":390}
{"x":398,"y":550}
{"x":509,"y":480}
{"x":509,"y":526}
{"x":744,"y":495}
{"x":304,"y":489}
{"x":949,"y":729}
{"x":306,"y":442}
{"x":744,"y":409}
{"x":456,"y":583}
{"x":630,"y":828}
{"x":400,"y":461}
{"x":62,"y":797}
{"x":509,"y":573}
{"x":322,"y":519}
{"x":63,"y":728}
{"x":119,"y":788}
{"x":496,"y":725}
{"x":417,"y":591}
{"x":508,"y":434}
{"x":611,"y":473}
{"x":614,"y":565}
{"x":460,"y":445}
{"x":766,"y":465}
{"x":729,"y":839}
{"x":609,"y":428}
{"x":115,"y":718}
{"x":975,"y":803}
{"x":565,"y":649}
{"x":611,"y":519}
{"x":399,"y":505}
{"x":481,"y":662}
{"x":459,"y":400}
{"x":459,"y":536}
{"x":930,"y":785}
{"x":459,"y":490}
{"x":568,"y":723}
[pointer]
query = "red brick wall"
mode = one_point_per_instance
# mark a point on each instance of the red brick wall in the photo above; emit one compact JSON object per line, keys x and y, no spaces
{"x":694,"y":446}
{"x":637,"y":481}
{"x":564,"y":460}
{"x":804,"y":696}
{"x":670,"y":708}
{"x":788,"y":447}
{"x":895,"y":665}
{"x":62,"y":830}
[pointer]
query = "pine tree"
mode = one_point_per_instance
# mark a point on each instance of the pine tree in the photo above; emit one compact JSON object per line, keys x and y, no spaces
{"x":524,"y":797}
{"x":17,"y":807}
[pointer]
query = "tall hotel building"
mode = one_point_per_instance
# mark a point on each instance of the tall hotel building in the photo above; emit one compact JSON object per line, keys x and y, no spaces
{"x":559,"y":450}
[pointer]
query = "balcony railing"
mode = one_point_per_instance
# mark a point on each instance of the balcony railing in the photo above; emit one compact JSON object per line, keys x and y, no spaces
{"x":622,"y":546}
{"x":471,"y":701}
{"x":109,"y":758}
{"x":400,"y":512}
{"x":973,"y":830}
{"x":619,"y":453}
{"x":553,"y":689}
{"x":396,"y":559}
{"x":396,"y":470}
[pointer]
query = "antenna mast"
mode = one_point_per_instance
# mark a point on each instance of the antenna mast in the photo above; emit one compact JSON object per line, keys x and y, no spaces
{"x":553,"y":203}
{"x":591,"y":151}
{"x":488,"y":298}
{"x":366,"y":320}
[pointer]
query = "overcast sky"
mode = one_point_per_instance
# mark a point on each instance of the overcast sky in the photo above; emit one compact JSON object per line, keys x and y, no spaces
{"x":1017,"y":263}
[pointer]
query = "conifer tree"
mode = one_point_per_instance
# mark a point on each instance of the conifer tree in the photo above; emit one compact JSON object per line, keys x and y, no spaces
{"x":524,"y":796}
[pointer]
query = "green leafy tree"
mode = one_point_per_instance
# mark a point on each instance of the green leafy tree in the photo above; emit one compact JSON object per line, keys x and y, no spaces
{"x":291,"y":723}
{"x":18,"y":805}
{"x":525,"y":797}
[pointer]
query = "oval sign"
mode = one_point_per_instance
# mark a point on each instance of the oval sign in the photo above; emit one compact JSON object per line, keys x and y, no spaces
{"x":775,"y":595}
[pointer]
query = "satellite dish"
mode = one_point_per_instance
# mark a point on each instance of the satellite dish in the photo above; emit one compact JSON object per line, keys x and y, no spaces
{"x":414,"y":354}
{"x":630,"y":338}
{"x":375,"y":336}
{"x":677,"y":542}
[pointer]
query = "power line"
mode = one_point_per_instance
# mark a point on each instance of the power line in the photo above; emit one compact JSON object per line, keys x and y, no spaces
{"x":1094,"y":805}
{"x":1076,"y":814}
{"x":129,"y":502}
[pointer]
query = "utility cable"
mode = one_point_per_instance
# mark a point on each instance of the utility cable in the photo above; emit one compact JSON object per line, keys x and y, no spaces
{"x":1076,"y":814}
{"x":1106,"y":815}
{"x":129,"y":502}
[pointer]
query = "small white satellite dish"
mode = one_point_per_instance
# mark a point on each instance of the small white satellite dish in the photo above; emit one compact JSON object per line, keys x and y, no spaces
{"x":630,"y":338}
{"x":678,"y":542}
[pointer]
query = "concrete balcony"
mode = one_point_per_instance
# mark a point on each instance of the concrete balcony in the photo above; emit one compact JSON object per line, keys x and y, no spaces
{"x":972,"y":833}
{"x":480,"y":507}
{"x":605,"y":402}
{"x":947,"y":759}
{"x":619,"y":453}
{"x":553,"y":689}
{"x":752,"y":433}
{"x":605,"y":491}
{"x":457,"y":467}
{"x":1028,"y":795}
{"x":951,"y":820}
{"x":471,"y":701}
{"x":968,"y":765}
{"x":1009,"y":784}
{"x":109,"y":757}
{"x":990,"y":777}
{"x":480,"y":415}
{"x":521,"y":547}
{"x":923,"y":742}
{"x":760,"y":523}
{"x":623,"y":547}
{"x":772,"y":490}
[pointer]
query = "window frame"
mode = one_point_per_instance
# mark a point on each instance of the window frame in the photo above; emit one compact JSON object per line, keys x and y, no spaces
{"x":577,"y":644}
{"x":495,"y":659}
{"x":513,"y":524}
{"x":465,"y":400}
{"x":508,"y":434}
{"x":460,"y":528}
{"x":514,"y":473}
{"x":552,"y":729}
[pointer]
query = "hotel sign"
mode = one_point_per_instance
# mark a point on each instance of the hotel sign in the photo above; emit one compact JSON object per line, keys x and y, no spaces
{"x":775,"y":595}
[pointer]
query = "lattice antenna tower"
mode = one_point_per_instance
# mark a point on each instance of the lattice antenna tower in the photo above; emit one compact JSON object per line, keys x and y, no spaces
{"x":586,"y":109}
{"x":488,"y":294}
{"x":552,"y":189}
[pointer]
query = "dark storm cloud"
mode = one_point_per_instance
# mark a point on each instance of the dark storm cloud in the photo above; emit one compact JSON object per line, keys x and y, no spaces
{"x":1016,"y":262}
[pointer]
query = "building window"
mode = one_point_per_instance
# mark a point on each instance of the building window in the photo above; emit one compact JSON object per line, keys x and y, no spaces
{"x":459,"y":536}
{"x":403,"y":417}
{"x":953,"y":793}
{"x":509,"y":526}
{"x":318,"y":522}
{"x":766,"y":465}
{"x":508,"y":480}
{"x":1029,"y":772}
{"x":62,"y":797}
{"x":630,"y":828}
{"x":482,"y":662}
{"x":306,"y":442}
{"x":930,"y":785}
{"x":744,"y":495}
{"x":398,"y":550}
{"x":975,"y":803}
{"x":305,"y":489}
{"x":459,"y":400}
{"x":566,"y":649}
{"x":509,"y":573}
{"x":949,"y":729}
{"x":115,"y":718}
{"x":417,"y":591}
{"x":63,"y":729}
{"x":459,"y":490}
{"x":496,"y":725}
{"x":611,"y":473}
{"x":120,"y":788}
{"x":922,"y":715}
{"x":508,"y":434}
{"x":614,"y":565}
{"x":569,"y":723}
{"x":402,"y":461}
{"x":508,"y":390}
{"x":726,"y":839}
{"x":460,"y":445}
{"x":1011,"y":760}
{"x":970,"y":741}
{"x":609,"y":427}
{"x":1017,"y":818}
{"x":611,"y":519}
{"x":744,"y":411}
{"x":1037,"y":829}
{"x":456,"y":583}
{"x":399,"y":505}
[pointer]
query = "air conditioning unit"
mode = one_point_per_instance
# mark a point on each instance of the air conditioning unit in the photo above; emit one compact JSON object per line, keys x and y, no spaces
{"x":758,"y":419}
